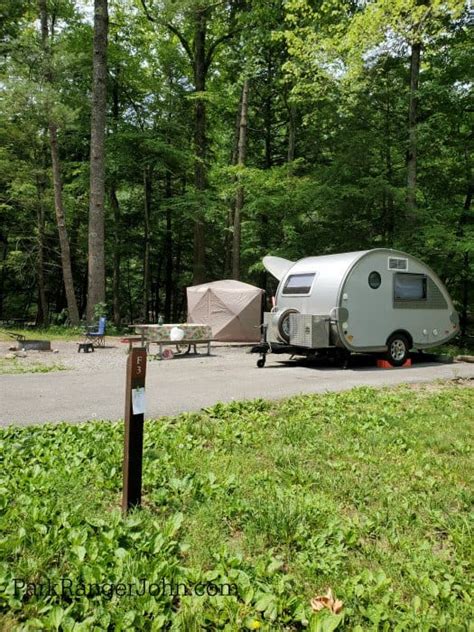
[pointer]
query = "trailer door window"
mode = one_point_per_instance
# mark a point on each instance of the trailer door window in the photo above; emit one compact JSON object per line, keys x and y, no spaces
{"x":409,"y":287}
{"x":375,"y":280}
{"x":298,"y":284}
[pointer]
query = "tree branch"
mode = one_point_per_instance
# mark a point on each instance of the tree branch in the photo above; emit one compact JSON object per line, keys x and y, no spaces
{"x":215,"y":44}
{"x":182,"y":39}
{"x":147,"y":13}
{"x":173,"y":29}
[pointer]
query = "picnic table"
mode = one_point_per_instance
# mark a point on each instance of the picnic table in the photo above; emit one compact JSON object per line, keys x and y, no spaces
{"x":194,"y":334}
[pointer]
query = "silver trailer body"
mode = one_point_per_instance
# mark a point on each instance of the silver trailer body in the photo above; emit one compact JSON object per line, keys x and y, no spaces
{"x":358,"y":301}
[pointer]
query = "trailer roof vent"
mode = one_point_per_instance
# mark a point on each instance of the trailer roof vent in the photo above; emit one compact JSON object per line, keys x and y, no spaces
{"x":395,"y":263}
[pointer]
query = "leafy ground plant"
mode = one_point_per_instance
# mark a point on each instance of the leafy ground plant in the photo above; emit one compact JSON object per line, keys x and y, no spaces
{"x":9,"y":366}
{"x":360,"y":500}
{"x":55,"y":332}
{"x":454,"y":350}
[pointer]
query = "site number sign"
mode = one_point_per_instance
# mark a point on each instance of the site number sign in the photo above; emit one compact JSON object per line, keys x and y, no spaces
{"x":134,"y":421}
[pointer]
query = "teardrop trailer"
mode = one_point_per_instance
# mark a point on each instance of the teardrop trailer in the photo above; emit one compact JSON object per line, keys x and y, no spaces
{"x":372,"y":301}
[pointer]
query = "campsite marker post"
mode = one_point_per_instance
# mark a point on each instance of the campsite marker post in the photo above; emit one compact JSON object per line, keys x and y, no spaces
{"x":133,"y":438}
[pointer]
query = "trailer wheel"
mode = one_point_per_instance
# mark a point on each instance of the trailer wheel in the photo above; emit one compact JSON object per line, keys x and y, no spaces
{"x":283,"y":323}
{"x":398,"y":349}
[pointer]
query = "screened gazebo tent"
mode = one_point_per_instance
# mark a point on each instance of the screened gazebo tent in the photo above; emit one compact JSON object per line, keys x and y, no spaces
{"x":233,"y":309}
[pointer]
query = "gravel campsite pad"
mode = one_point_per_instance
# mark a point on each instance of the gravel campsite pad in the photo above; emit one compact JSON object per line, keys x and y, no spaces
{"x":82,"y":386}
{"x":65,"y":354}
{"x":112,"y":356}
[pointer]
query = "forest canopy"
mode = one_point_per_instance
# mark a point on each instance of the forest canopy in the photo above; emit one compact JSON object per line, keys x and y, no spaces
{"x":147,"y":145}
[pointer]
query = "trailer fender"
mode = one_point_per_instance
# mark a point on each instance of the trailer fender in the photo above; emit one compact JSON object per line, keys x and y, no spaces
{"x":402,"y":332}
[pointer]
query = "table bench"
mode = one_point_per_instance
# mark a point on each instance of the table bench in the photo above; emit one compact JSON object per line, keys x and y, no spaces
{"x":131,"y":339}
{"x":194,"y":334}
{"x":187,"y":344}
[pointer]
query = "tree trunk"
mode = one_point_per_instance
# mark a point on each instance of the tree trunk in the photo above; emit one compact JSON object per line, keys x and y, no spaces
{"x":146,"y":242}
{"x":168,"y":251}
{"x":465,"y":274}
{"x":268,"y":115}
{"x":3,"y":258}
{"x":42,"y":317}
{"x":96,"y":267}
{"x":114,"y":203}
{"x":178,"y":252}
{"x":291,"y":132}
{"x":83,"y":293}
{"x":200,"y":145}
{"x":57,"y":183}
{"x":158,"y":314}
{"x":239,"y":198}
{"x":268,"y":161}
{"x":62,"y":230}
{"x":234,"y":154}
{"x":412,"y":129}
{"x":129,"y":293}
{"x":389,"y":210}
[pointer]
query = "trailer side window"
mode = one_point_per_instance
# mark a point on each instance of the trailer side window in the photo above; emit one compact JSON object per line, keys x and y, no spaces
{"x":409,"y":287}
{"x":298,"y":284}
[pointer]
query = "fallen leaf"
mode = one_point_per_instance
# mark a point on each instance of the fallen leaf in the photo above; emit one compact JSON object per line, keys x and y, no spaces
{"x":328,"y":601}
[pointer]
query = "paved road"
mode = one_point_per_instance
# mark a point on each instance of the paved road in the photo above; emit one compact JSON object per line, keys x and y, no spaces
{"x":188,"y":384}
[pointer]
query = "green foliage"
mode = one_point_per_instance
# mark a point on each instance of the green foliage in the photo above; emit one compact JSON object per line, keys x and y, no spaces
{"x":100,"y":309}
{"x":54,"y":332}
{"x":8,"y":366}
{"x":327,"y":142}
{"x":366,"y":492}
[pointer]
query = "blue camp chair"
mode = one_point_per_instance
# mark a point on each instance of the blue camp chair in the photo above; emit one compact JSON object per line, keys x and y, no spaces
{"x":97,"y":336}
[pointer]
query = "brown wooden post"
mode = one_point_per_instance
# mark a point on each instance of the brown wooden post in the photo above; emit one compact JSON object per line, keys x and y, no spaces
{"x":133,"y":439}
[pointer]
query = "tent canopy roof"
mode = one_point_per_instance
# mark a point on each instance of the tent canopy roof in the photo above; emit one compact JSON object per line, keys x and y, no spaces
{"x":226,"y":284}
{"x":231,"y":308}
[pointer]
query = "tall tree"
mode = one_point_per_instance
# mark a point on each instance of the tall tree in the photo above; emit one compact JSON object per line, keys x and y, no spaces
{"x":73,"y":311}
{"x":239,"y":197}
{"x":396,"y":26}
{"x":147,"y":195}
{"x":96,"y":266}
{"x":115,"y":205}
{"x":415,"y":60}
{"x":201,"y":51}
{"x":332,"y":96}
{"x":42,"y":317}
{"x":200,"y":70}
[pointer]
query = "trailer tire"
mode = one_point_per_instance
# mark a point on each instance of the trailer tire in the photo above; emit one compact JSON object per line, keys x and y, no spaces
{"x":280,"y":318}
{"x":398,"y":349}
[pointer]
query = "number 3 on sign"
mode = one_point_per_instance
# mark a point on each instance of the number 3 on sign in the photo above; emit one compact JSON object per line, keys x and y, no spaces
{"x":139,"y":368}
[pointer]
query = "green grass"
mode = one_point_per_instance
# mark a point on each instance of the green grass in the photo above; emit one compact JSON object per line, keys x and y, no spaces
{"x":366,"y":492}
{"x":49,"y":333}
{"x":54,"y":332}
{"x":454,"y":350}
{"x":15,"y":366}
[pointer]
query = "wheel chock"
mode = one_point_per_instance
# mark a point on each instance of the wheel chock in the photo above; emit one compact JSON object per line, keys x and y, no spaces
{"x":385,"y":364}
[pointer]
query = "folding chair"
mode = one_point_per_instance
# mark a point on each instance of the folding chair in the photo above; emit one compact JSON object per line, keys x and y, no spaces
{"x":96,"y":336}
